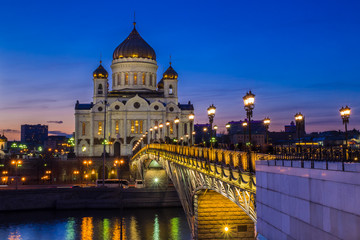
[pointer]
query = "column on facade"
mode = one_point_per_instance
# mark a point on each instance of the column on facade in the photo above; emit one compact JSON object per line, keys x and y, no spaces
{"x":122,"y":78}
{"x":109,"y":127}
{"x":147,"y":79}
{"x":148,"y":125}
{"x":125,"y":130}
{"x":92,"y":135}
{"x":131,"y":78}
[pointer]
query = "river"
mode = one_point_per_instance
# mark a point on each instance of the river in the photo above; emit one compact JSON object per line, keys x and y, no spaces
{"x":147,"y":224}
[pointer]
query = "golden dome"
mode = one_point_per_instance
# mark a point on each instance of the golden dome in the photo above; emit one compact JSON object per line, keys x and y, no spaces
{"x":134,"y":46}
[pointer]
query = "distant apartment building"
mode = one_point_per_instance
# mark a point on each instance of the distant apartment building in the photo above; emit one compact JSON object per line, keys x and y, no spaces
{"x":34,"y":135}
{"x":240,"y":134}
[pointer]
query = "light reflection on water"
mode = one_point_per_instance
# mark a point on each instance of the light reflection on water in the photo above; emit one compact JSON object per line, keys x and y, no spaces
{"x":148,"y":224}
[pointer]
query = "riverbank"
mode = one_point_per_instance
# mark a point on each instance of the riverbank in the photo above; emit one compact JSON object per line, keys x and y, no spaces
{"x":87,"y":198}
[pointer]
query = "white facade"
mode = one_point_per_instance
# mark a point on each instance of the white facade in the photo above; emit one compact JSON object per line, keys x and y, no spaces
{"x":136,"y":103}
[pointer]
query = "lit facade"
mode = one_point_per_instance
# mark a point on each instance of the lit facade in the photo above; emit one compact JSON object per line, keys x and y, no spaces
{"x":136,"y":103}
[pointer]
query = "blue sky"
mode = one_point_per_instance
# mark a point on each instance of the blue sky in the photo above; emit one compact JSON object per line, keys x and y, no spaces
{"x":294,"y":55}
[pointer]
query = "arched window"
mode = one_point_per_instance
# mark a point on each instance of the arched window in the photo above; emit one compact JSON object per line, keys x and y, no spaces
{"x":100,"y":89}
{"x":126,"y":79}
{"x":135,"y":78}
{"x":185,"y":128}
{"x":83,"y":128}
{"x":143,"y":79}
{"x":170,"y":90}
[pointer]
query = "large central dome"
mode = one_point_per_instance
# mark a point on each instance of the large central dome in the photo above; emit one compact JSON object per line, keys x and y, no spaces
{"x":134,"y":46}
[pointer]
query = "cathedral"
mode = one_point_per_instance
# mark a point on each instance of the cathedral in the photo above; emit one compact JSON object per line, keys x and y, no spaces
{"x":137,"y":106}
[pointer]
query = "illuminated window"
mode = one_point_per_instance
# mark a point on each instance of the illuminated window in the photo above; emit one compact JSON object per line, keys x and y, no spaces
{"x":99,"y":128}
{"x":143,"y":79}
{"x":100,"y":89}
{"x":132,"y":126}
{"x":170,"y":90}
{"x":83,"y":128}
{"x":126,"y":79}
{"x":135,"y":78}
{"x":116,"y":126}
{"x":136,"y":126}
{"x":171,"y":128}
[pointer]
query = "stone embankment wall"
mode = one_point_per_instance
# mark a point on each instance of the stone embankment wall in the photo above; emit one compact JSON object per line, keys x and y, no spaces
{"x":214,"y":212}
{"x":307,"y":203}
{"x":82,"y":198}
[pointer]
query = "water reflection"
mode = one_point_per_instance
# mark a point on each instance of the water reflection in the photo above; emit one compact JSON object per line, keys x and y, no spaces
{"x":147,"y":224}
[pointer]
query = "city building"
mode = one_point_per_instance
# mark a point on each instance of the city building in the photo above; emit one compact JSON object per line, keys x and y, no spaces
{"x":135,"y":103}
{"x":202,"y":133}
{"x":34,"y":135}
{"x":239,"y":134}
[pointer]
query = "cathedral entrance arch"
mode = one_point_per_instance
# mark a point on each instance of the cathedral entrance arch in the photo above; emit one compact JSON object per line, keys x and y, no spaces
{"x":117,"y":151}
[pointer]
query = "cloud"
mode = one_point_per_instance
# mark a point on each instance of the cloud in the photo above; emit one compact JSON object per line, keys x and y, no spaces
{"x":58,"y":133}
{"x":10,"y":130}
{"x":56,"y":122}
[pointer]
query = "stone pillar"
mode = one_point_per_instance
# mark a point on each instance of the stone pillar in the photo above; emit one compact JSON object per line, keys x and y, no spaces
{"x":147,"y":79}
{"x":122,"y":79}
{"x":131,"y":79}
{"x":92,"y":135}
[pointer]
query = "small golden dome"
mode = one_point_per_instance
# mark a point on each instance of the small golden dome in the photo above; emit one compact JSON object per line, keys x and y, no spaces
{"x":100,"y":72}
{"x":170,"y":73}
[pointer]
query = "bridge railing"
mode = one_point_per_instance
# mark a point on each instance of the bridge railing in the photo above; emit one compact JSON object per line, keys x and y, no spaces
{"x":317,"y":153}
{"x":233,"y":159}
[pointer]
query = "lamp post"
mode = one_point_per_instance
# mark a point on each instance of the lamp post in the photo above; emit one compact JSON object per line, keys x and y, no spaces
{"x":177,"y":121}
{"x":151,"y":135}
{"x":211,"y":114}
{"x":16,"y":163}
{"x":266,"y":122}
{"x":118,"y":164}
{"x":160,"y":128}
{"x":249,"y":100}
{"x":191,"y":119}
{"x":299,"y":118}
{"x":345,"y":115}
{"x":167,"y":131}
{"x":244,"y":124}
{"x":155,"y":132}
{"x":87,"y":163}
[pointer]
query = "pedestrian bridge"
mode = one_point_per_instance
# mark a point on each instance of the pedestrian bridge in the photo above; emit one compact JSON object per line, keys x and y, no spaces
{"x":216,"y":187}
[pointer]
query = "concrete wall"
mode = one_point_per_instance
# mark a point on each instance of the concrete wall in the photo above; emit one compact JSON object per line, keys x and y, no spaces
{"x":80,"y":198}
{"x":303,"y":203}
{"x":214,"y":212}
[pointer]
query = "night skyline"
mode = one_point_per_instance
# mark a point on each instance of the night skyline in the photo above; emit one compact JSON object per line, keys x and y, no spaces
{"x":294,"y":57}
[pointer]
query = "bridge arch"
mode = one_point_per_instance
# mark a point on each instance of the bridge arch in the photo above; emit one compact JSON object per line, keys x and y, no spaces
{"x":194,"y":171}
{"x":217,"y":217}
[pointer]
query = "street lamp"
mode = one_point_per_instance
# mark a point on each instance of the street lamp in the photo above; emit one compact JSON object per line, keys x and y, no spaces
{"x":118,"y":164}
{"x":299,"y":119}
{"x":151,"y":135}
{"x":177,"y":121}
{"x":161,"y":127}
{"x":345,"y":115}
{"x":16,"y":163}
{"x":155,"y":132}
{"x":191,"y":119}
{"x":266,"y":122}
{"x":211,"y":114}
{"x":87,"y":163}
{"x":244,"y":124}
{"x":167,"y":123}
{"x":249,"y":100}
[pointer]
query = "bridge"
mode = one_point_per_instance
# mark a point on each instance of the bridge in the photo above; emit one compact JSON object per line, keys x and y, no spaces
{"x":211,"y":183}
{"x":218,"y":189}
